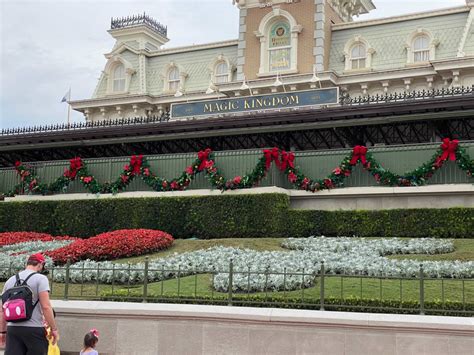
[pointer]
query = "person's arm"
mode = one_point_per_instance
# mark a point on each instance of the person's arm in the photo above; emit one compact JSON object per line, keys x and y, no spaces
{"x":3,"y":322}
{"x":3,"y":329}
{"x":48,"y":314}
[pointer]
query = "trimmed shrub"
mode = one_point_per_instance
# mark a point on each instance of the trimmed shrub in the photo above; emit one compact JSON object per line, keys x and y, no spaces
{"x":228,"y":216}
{"x":439,"y":308}
{"x":410,"y":223}
{"x":32,"y":216}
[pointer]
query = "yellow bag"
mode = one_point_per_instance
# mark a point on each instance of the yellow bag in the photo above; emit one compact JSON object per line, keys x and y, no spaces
{"x":52,"y":349}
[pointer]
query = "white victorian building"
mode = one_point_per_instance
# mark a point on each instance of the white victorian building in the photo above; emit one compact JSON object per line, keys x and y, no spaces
{"x":299,"y":44}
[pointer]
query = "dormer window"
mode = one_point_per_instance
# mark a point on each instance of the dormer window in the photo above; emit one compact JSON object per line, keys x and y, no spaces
{"x":119,"y":78}
{"x":118,"y":72}
{"x":421,"y":49}
{"x":358,"y":56}
{"x":221,"y":73}
{"x":173,"y":79}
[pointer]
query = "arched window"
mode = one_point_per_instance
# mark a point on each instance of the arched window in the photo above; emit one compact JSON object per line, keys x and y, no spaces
{"x":279,"y":46}
{"x":173,"y":79}
{"x":119,"y":78}
{"x":278,"y":34}
{"x":358,"y":56}
{"x":221,"y":73}
{"x":421,"y":49}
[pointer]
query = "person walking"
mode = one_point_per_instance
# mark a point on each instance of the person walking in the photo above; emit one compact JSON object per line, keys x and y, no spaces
{"x":25,"y":333}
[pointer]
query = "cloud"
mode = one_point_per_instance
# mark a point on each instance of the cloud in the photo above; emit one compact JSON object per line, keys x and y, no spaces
{"x":49,"y":46}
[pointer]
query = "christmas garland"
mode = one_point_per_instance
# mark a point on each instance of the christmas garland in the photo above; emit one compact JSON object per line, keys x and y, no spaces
{"x":284,"y":161}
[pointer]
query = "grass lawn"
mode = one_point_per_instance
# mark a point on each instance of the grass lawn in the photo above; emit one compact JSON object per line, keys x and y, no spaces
{"x":335,"y":286}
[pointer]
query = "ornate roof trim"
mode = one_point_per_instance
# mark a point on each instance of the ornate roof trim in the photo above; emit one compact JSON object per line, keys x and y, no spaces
{"x":196,"y":47}
{"x":413,"y":16}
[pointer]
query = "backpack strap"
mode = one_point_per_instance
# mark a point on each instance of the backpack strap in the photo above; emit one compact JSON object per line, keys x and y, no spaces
{"x":25,"y":282}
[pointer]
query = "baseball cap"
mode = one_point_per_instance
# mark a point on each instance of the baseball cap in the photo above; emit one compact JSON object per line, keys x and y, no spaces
{"x":37,"y":257}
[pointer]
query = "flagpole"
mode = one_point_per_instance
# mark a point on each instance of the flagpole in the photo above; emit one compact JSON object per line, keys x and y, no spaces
{"x":69,"y":108}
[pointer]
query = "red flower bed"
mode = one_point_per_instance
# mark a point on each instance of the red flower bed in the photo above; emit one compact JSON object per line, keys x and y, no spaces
{"x":113,"y":245}
{"x":9,"y":238}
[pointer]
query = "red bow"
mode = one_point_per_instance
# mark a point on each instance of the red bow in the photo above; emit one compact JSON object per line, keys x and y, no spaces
{"x":271,"y":155}
{"x":359,"y":152}
{"x":449,"y":148}
{"x":136,"y":164}
{"x":95,"y":332}
{"x":74,"y":166}
{"x":287,"y":159}
{"x":203,"y":155}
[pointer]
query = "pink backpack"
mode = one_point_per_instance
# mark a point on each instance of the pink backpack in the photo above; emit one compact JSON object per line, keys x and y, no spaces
{"x":17,"y":301}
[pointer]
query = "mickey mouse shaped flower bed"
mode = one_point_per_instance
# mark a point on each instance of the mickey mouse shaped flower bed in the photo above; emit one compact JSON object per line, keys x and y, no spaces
{"x":113,"y":245}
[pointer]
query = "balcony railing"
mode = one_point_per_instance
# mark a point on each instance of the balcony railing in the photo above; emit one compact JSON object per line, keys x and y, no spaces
{"x":136,"y":20}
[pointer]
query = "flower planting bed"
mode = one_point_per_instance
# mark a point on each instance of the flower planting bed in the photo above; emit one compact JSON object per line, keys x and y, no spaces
{"x":16,"y":246}
{"x":10,"y":238}
{"x":261,"y":271}
{"x":253,"y":271}
{"x":113,"y":245}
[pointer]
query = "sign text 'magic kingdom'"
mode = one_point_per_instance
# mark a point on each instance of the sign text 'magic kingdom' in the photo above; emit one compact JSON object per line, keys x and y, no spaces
{"x":254,"y":103}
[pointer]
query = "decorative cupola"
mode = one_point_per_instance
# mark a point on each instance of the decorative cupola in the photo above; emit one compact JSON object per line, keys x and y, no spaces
{"x":140,"y":31}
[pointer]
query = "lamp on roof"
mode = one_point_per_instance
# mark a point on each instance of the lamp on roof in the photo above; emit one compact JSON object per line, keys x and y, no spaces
{"x":211,"y":89}
{"x":245,"y":86}
{"x":277,"y":82}
{"x":315,"y":79}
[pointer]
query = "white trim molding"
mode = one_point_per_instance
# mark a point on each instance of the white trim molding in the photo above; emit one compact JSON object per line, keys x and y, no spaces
{"x":465,"y":34}
{"x":413,"y":16}
{"x":112,"y":63}
{"x":263,"y":34}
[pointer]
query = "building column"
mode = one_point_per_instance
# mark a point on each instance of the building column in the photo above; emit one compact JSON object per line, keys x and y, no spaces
{"x":319,"y":36}
{"x":241,"y":45}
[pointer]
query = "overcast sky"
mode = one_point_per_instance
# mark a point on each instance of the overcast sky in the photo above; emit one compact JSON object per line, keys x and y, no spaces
{"x":49,"y":46}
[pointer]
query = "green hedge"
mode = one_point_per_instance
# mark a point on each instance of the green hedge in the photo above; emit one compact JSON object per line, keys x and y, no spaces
{"x":423,"y":222}
{"x":184,"y":217}
{"x":448,"y":308}
{"x":229,"y":216}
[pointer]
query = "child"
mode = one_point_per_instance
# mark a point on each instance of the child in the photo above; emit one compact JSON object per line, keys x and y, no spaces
{"x":90,"y":341}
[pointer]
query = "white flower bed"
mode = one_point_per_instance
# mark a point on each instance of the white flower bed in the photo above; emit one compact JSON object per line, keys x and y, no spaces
{"x":298,"y":267}
{"x":13,"y":257}
{"x":353,"y":256}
